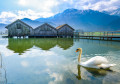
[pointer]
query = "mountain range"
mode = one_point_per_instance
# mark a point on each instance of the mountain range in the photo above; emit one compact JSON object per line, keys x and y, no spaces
{"x":2,"y":27}
{"x":87,"y":20}
{"x":113,"y":12}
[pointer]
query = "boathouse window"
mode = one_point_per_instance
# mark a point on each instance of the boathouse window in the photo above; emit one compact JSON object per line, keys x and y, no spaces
{"x":18,"y":26}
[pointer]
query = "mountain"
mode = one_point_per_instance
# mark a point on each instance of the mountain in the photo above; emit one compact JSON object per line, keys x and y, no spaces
{"x":113,"y":12}
{"x":2,"y":27}
{"x":87,"y":20}
{"x":34,"y":23}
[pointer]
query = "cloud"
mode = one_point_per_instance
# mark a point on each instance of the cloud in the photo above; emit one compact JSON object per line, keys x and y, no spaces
{"x":24,"y":63}
{"x":41,"y":53}
{"x":8,"y":17}
{"x":42,"y":5}
{"x":4,"y":51}
{"x":22,"y":2}
{"x":46,"y":8}
{"x":57,"y":78}
{"x":100,"y":5}
{"x":4,"y":16}
{"x":33,"y":14}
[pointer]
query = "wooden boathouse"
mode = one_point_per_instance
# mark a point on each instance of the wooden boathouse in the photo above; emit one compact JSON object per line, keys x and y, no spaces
{"x":45,"y":30}
{"x":65,"y":31}
{"x":19,"y":28}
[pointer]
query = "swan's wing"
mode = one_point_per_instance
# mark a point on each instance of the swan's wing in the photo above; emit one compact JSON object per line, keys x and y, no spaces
{"x":97,"y":60}
{"x":106,"y":66}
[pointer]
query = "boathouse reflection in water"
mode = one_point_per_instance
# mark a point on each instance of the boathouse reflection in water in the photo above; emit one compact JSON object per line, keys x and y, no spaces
{"x":22,"y":45}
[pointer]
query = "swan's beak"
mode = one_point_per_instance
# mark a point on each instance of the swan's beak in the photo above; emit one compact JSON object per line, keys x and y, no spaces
{"x":76,"y":51}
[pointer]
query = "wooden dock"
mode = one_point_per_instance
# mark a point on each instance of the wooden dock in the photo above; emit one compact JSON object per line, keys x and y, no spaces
{"x":4,"y":36}
{"x":101,"y":35}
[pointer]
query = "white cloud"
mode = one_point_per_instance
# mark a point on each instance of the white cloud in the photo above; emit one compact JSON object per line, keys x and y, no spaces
{"x":24,"y":63}
{"x":32,"y":14}
{"x":105,"y":5}
{"x":22,"y":2}
{"x":47,"y":8}
{"x":42,"y":5}
{"x":4,"y":16}
{"x":7,"y":14}
{"x":41,"y":53}
{"x":8,"y":17}
{"x":100,"y":5}
{"x":5,"y":52}
{"x":58,"y":78}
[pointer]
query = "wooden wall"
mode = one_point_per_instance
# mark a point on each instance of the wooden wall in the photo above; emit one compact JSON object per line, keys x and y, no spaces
{"x":65,"y":31}
{"x":45,"y":30}
{"x":19,"y":29}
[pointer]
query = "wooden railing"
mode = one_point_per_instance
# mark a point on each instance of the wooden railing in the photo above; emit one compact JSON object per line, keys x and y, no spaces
{"x":102,"y":35}
{"x":99,"y":33}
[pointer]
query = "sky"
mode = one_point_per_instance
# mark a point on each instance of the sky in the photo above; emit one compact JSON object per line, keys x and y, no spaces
{"x":11,"y":10}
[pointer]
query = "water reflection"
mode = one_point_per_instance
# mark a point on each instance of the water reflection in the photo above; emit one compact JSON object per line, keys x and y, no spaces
{"x":79,"y":73}
{"x":94,"y":72}
{"x":98,"y":72}
{"x":43,"y":65}
{"x":65,"y":43}
{"x":112,"y":44}
{"x":45,"y":44}
{"x":21,"y":45}
{"x":99,"y":76}
{"x":3,"y":79}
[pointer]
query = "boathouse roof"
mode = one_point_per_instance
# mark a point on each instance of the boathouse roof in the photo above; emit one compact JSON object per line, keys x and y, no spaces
{"x":19,"y":21}
{"x":63,"y":26}
{"x":45,"y":24}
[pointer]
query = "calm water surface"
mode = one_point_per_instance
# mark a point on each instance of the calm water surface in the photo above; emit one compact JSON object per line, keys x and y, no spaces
{"x":54,"y":61}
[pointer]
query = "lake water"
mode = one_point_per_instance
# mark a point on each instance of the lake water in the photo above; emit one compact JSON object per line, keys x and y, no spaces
{"x":54,"y":61}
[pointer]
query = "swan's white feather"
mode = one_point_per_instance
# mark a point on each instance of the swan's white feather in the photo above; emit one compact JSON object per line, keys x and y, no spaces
{"x":97,"y":62}
{"x":105,"y":66}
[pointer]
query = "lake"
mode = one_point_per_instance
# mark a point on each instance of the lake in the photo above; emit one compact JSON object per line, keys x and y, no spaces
{"x":54,"y":61}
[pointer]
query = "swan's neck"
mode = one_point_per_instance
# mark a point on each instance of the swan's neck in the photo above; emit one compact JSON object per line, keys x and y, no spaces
{"x":79,"y":56}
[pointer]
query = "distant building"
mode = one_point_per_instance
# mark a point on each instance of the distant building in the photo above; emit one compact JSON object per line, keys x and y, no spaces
{"x":65,"y":30}
{"x":19,"y":28}
{"x":45,"y":30}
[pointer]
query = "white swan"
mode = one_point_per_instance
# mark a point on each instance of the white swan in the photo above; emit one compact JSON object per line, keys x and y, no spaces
{"x":97,"y":62}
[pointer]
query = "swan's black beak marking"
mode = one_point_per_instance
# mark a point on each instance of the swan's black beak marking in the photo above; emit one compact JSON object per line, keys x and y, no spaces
{"x":76,"y":50}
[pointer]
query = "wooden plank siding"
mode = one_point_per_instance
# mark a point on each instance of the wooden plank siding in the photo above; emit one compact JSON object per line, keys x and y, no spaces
{"x":19,"y":28}
{"x":45,"y":30}
{"x":65,"y":30}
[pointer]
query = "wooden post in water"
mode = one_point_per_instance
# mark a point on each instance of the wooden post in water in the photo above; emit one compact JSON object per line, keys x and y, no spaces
{"x":89,"y":35}
{"x":107,"y":35}
{"x":112,"y":33}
